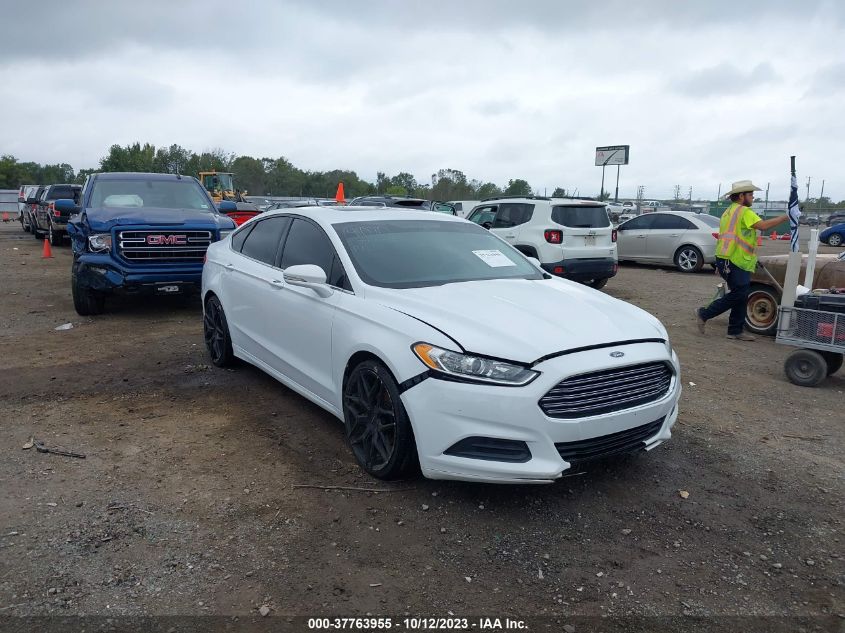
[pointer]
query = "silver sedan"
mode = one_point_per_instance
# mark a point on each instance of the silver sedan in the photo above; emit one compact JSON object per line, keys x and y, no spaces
{"x":686,"y":240}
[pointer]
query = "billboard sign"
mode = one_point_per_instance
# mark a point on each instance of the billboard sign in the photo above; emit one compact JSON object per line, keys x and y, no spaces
{"x":612,"y":155}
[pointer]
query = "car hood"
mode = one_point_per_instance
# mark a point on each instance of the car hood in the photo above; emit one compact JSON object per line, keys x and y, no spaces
{"x":104,"y":218}
{"x":523,"y":320}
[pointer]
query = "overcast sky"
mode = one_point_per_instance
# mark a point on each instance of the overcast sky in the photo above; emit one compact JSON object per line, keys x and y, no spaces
{"x":704,"y":92}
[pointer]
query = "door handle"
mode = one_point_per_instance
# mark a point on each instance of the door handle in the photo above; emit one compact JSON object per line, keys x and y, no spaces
{"x":674,"y":235}
{"x":641,"y":237}
{"x":510,"y":235}
{"x":229,"y":267}
{"x":276,"y":284}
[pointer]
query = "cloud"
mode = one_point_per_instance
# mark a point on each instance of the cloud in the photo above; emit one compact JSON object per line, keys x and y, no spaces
{"x":828,"y":81}
{"x":723,"y":79}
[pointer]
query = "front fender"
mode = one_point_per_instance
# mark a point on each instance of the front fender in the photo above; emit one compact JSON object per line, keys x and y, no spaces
{"x":77,"y":229}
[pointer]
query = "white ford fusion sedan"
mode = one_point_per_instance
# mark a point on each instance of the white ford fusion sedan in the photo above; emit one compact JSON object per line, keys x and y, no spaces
{"x":439,"y":345}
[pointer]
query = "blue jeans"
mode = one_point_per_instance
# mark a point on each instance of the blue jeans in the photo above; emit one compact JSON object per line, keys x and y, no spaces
{"x":739,"y":283}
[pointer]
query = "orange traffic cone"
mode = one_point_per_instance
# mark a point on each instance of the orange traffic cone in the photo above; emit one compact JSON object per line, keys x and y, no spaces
{"x":339,"y":196}
{"x":48,"y":252}
{"x":5,"y":216}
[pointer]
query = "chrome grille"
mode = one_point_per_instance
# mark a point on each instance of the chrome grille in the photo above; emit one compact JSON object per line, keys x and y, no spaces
{"x":608,"y":390}
{"x":628,"y":441}
{"x":163,"y":246}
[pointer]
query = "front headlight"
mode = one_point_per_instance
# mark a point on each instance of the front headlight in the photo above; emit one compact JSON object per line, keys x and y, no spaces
{"x":473,"y":368}
{"x":99,"y":242}
{"x":225,"y":234}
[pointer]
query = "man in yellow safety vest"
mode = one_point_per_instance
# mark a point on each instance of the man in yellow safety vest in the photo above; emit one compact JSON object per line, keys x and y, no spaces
{"x":736,"y":257}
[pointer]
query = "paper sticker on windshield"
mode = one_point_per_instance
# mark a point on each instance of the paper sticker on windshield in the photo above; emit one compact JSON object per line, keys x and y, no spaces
{"x":494,"y":259}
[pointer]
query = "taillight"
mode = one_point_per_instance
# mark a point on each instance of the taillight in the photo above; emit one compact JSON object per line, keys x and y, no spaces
{"x":613,"y":235}
{"x":716,"y":235}
{"x":553,"y":236}
{"x":56,"y":212}
{"x":558,"y":270}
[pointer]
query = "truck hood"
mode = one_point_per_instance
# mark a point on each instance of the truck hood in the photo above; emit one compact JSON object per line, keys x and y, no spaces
{"x":523,"y":320}
{"x":102,"y":219}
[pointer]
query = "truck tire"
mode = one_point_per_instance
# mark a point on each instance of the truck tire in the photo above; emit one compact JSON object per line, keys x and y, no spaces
{"x":24,"y":222}
{"x":86,"y":302}
{"x":761,"y":310}
{"x":55,"y":237}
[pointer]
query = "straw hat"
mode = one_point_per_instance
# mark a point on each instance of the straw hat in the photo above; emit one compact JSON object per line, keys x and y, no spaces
{"x":742,"y":186}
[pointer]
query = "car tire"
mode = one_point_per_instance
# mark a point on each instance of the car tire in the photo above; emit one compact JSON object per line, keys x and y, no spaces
{"x":378,"y":429}
{"x":24,"y":222}
{"x":761,"y":310}
{"x":215,"y":328}
{"x":805,"y":368}
{"x":688,"y":259}
{"x":833,"y":360}
{"x":86,"y":302}
{"x":598,"y":284}
{"x":54,"y":236}
{"x":835,"y":239}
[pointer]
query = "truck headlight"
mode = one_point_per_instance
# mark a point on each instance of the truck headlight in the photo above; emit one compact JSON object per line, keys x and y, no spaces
{"x":473,"y":368}
{"x":99,"y":242}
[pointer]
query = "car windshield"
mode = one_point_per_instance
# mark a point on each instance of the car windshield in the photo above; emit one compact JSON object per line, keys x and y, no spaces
{"x":709,"y":220}
{"x":162,"y":194}
{"x":420,"y":253}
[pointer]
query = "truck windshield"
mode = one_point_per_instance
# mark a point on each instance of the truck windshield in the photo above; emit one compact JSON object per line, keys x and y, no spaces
{"x":162,"y":194}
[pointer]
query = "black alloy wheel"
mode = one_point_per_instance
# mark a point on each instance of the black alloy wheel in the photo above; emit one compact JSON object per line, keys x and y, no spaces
{"x":377,"y":427}
{"x":216,"y":333}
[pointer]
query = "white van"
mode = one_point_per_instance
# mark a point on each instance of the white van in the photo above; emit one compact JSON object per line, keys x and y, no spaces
{"x":464,"y":207}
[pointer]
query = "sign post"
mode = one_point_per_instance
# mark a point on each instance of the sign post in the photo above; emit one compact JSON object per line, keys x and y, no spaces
{"x":612,"y":155}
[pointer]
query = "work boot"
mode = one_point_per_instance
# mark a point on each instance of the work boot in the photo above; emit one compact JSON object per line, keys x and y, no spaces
{"x":742,"y":336}
{"x":699,"y":321}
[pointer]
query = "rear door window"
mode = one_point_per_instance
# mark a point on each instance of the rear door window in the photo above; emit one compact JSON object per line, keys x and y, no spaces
{"x":513,"y":214}
{"x":263,"y":240}
{"x":307,"y":243}
{"x":709,"y":220}
{"x":581,"y":217}
{"x":674,"y":222}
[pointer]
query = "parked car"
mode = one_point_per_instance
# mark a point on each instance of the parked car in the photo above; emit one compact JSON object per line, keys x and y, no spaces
{"x":25,"y":193}
{"x":439,"y":345}
{"x":569,"y":238}
{"x":833,"y":236}
{"x":835,"y":218}
{"x":49,"y":221}
{"x":243,"y":211}
{"x":686,"y":240}
{"x":140,"y":233}
{"x":761,"y":313}
{"x":464,"y":207}
{"x":30,"y":205}
{"x":289,"y":204}
{"x":403,"y":203}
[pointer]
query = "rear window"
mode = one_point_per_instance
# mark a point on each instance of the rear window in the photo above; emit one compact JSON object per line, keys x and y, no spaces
{"x":580,"y":217}
{"x":57,"y":193}
{"x":709,"y":220}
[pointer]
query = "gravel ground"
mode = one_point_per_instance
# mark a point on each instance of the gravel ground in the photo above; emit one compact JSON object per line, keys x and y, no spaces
{"x":190,"y":501}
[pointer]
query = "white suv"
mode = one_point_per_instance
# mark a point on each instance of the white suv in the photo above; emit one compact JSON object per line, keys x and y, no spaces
{"x":571,"y":238}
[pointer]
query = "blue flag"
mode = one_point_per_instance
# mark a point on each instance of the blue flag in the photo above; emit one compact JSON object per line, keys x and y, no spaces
{"x":793,"y":210}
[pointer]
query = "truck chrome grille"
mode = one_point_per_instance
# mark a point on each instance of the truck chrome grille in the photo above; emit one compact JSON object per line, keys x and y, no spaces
{"x":628,"y":441}
{"x":608,"y":390}
{"x":163,"y":246}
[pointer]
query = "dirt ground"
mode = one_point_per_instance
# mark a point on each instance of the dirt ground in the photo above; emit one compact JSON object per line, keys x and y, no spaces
{"x":189,"y":501}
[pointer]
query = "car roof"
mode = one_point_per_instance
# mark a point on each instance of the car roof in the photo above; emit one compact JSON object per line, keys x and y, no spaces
{"x":569,"y":202}
{"x":336,"y":215}
{"x":134,"y":175}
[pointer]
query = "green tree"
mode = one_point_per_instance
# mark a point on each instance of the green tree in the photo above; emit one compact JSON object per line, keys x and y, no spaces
{"x":518,"y":187}
{"x":488,"y":190}
{"x":560,"y":192}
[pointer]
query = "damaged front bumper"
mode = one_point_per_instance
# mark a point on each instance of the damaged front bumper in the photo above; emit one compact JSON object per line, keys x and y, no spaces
{"x":102,"y":273}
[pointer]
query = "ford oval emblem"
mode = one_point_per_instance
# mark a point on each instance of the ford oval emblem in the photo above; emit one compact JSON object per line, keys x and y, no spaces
{"x":617,"y":354}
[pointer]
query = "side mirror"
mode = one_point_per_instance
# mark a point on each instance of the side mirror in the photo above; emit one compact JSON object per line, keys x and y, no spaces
{"x":227,"y":206}
{"x":308,"y":276}
{"x":65,"y":205}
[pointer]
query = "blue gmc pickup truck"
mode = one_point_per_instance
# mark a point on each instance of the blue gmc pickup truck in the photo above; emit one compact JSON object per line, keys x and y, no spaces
{"x":139,"y":233}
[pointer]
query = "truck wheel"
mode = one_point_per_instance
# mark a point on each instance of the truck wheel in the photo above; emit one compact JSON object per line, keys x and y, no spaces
{"x":54,"y":236}
{"x":833,"y":360}
{"x":761,"y":310}
{"x":86,"y":302}
{"x":36,"y":233}
{"x":216,"y":333}
{"x":24,"y":222}
{"x":688,"y":259}
{"x":805,"y":368}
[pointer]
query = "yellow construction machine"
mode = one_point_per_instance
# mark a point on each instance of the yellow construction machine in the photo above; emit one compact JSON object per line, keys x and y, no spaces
{"x":221,"y":186}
